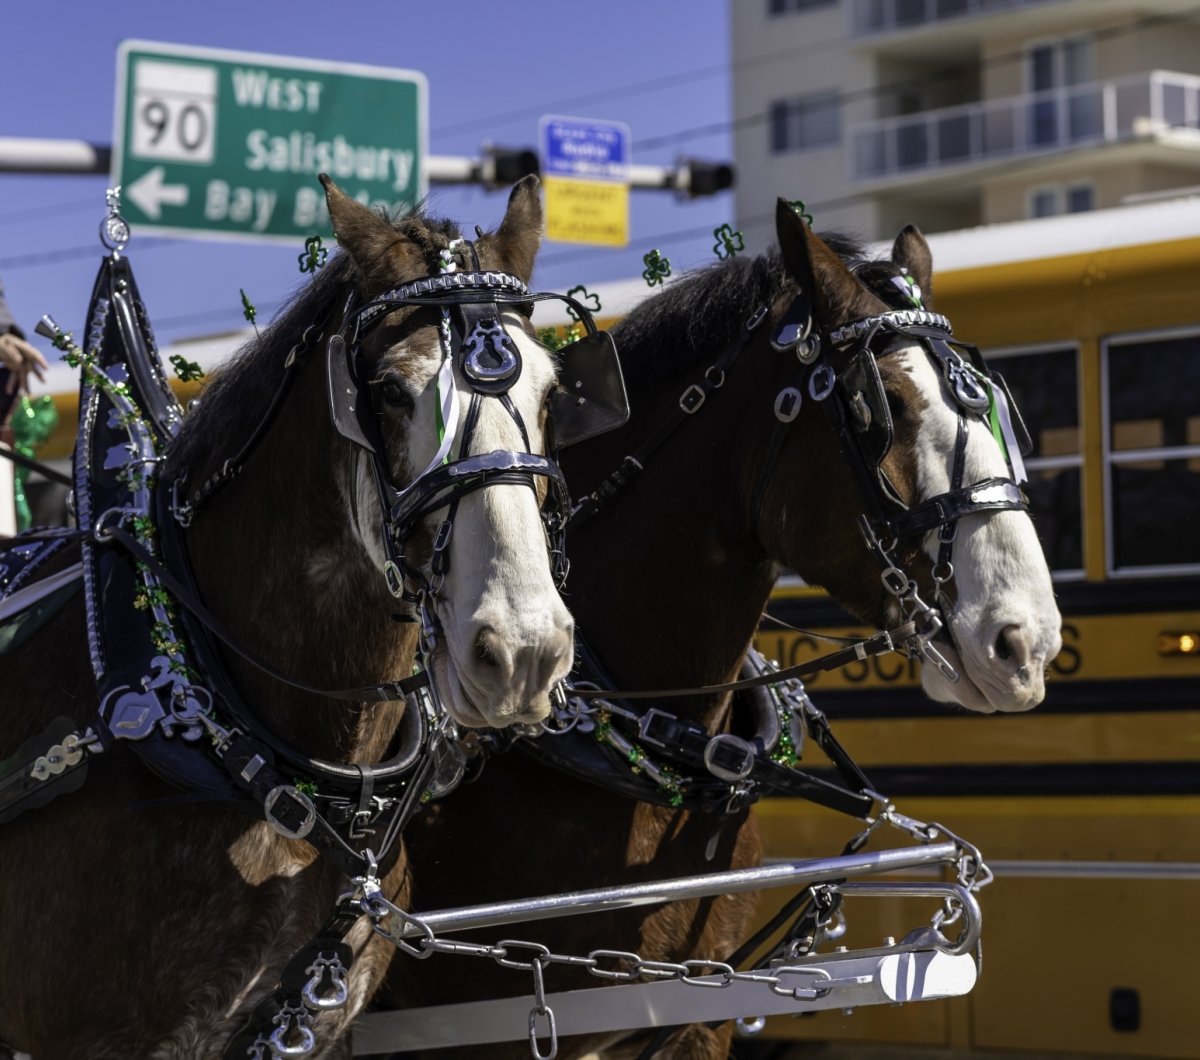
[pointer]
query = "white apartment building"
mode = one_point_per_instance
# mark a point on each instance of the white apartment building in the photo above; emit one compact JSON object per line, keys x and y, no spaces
{"x":955,"y":113}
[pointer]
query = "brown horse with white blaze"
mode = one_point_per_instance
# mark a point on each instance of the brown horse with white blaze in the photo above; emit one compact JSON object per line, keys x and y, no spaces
{"x":669,"y":580}
{"x":141,"y":923}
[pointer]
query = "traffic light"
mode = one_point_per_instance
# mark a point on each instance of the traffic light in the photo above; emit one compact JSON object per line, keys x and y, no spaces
{"x":704,"y":178}
{"x":503,"y":166}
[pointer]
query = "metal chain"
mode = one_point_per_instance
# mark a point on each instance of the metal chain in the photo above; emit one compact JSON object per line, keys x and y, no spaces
{"x":800,"y":982}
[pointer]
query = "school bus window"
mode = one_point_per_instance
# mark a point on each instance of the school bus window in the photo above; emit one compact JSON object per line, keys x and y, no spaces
{"x":1152,"y":450}
{"x":1044,"y":385}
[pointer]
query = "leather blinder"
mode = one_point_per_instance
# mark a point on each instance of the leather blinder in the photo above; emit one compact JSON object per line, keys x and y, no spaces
{"x":590,"y":397}
{"x":349,"y":408}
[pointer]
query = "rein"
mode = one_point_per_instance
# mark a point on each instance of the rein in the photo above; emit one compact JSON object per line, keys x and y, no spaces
{"x":45,"y":470}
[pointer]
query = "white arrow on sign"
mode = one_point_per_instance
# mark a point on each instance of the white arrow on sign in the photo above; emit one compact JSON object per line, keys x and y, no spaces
{"x":150,"y":194}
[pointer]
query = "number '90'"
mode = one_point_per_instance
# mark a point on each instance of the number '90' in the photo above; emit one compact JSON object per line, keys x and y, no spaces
{"x":190,"y":123}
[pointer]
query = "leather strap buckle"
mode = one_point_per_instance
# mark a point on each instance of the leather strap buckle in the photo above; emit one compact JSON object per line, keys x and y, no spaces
{"x":289,"y":811}
{"x":729,"y":757}
{"x":660,"y":729}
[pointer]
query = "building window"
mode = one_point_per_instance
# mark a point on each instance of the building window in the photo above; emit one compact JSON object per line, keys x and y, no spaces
{"x":1053,"y":199}
{"x":1045,"y":388}
{"x":1152,"y":453}
{"x":784,"y":7}
{"x":1066,"y":108}
{"x":802,"y":124}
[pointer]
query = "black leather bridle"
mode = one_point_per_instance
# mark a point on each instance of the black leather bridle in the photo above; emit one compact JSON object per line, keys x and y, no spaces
{"x":861,"y":417}
{"x":475,"y":343}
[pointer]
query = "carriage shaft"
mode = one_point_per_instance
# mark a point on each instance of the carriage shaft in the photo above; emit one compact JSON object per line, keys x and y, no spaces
{"x":791,"y":873}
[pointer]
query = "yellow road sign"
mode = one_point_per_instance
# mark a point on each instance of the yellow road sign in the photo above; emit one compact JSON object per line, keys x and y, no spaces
{"x":587,"y":211}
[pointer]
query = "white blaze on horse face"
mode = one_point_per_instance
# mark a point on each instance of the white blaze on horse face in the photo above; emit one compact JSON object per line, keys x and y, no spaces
{"x":1004,"y":626}
{"x":507,"y":638}
{"x":510,"y":638}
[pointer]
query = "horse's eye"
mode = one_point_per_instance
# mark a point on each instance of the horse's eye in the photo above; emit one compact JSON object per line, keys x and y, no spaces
{"x":896,"y":405}
{"x":395,"y":395}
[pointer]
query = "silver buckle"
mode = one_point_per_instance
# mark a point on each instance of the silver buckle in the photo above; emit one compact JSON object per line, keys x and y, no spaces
{"x":736,"y":744}
{"x":310,"y":811}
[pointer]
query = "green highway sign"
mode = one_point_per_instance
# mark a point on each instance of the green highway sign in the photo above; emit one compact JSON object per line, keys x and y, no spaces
{"x":229,"y":144}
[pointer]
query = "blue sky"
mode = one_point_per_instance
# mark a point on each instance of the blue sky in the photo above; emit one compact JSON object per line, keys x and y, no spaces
{"x":492,"y":70}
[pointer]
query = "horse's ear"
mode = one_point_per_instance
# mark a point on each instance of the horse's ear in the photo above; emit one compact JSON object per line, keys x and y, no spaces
{"x":520,"y":233}
{"x":379,"y":252}
{"x":911,"y":252}
{"x":836,"y":295}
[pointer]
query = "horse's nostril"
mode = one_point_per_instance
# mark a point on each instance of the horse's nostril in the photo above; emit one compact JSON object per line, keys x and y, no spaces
{"x":484,"y":651}
{"x":1012,"y":647}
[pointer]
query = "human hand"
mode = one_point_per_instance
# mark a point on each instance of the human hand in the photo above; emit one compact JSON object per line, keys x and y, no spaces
{"x":23,"y":360}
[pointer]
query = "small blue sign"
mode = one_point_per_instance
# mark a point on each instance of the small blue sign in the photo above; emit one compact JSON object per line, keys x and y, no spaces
{"x":584,"y":148}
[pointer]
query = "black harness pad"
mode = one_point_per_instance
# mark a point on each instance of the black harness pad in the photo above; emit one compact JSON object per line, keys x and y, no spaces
{"x":590,"y":397}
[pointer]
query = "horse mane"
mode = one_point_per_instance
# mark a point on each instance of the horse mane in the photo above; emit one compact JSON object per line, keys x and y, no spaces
{"x":703,"y":311}
{"x":239,"y":393}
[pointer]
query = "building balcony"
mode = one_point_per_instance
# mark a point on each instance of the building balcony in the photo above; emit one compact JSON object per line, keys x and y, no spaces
{"x":1160,"y":107}
{"x":869,"y":17}
{"x":926,"y":28}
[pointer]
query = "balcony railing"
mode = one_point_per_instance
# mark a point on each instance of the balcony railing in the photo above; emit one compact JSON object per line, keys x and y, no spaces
{"x":1101,"y":112}
{"x":888,"y":16}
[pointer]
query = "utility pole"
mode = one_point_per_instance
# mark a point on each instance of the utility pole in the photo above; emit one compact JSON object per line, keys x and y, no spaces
{"x":496,"y":167}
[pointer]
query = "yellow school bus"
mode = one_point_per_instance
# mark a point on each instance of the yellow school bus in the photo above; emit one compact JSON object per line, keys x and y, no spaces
{"x":1087,"y":808}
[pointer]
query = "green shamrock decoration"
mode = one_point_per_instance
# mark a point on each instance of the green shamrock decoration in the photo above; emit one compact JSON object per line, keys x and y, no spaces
{"x":729,"y":241}
{"x":802,"y":210}
{"x":314,"y":255}
{"x":548,"y":337}
{"x":248,"y":310}
{"x":188,"y":371}
{"x":589,"y":300}
{"x":657,"y":268}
